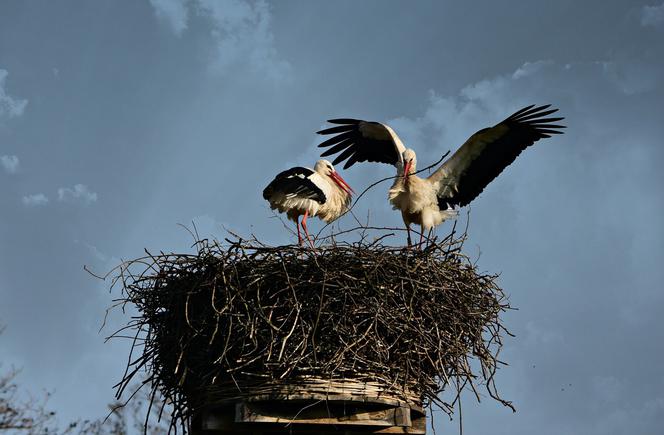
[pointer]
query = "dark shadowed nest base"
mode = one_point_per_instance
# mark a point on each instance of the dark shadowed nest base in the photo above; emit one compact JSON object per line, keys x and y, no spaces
{"x":239,"y":316}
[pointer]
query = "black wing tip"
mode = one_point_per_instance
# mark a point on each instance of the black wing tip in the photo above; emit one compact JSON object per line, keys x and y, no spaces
{"x":343,"y":123}
{"x":340,"y":158}
{"x":328,"y":152}
{"x":338,"y":129}
{"x":334,"y":140}
{"x":347,"y":121}
{"x":530,"y":111}
{"x":535,"y":117}
{"x":520,"y":111}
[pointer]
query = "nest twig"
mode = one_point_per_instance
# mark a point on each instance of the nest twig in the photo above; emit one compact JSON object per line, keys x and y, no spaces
{"x":239,"y":315}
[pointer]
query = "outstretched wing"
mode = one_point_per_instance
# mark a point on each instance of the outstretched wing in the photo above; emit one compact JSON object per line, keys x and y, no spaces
{"x":294,"y":183}
{"x":362,"y":141}
{"x":486,"y":153}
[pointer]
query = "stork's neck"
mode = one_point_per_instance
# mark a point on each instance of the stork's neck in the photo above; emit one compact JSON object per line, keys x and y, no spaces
{"x":411,"y":180}
{"x":335,"y":184}
{"x":401,"y":169}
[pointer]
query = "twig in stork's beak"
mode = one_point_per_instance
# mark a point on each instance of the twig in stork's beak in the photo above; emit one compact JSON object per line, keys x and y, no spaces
{"x":406,"y":169}
{"x":342,"y":183}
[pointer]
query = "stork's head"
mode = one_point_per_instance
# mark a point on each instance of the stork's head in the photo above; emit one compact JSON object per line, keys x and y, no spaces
{"x":409,"y":163}
{"x":325,"y":168}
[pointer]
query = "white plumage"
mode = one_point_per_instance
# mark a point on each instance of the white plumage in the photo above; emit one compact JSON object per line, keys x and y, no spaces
{"x":460,"y":179}
{"x":417,"y":198}
{"x":305,"y":192}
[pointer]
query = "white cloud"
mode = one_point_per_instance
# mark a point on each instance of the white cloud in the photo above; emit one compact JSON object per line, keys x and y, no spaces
{"x":8,"y":105}
{"x":631,"y":77}
{"x":10,"y":163}
{"x":449,"y":120}
{"x":93,"y":250}
{"x":79,"y":193}
{"x":243,"y":34}
{"x":530,"y":68}
{"x":174,"y":12}
{"x":652,"y":15}
{"x":241,"y":30}
{"x":635,"y":416}
{"x":35,"y":200}
{"x":538,"y":335}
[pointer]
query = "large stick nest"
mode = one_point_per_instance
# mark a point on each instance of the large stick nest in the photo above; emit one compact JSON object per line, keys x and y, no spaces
{"x":239,"y":314}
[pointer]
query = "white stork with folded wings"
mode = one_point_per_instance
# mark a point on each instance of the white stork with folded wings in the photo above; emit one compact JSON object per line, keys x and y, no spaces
{"x":305,"y":192}
{"x":460,"y":179}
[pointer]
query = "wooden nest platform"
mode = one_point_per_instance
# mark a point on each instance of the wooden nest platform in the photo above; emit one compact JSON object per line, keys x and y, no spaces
{"x":308,"y":404}
{"x":360,"y":334}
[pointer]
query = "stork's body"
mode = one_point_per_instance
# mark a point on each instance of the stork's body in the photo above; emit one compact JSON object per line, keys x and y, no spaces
{"x":417,"y":199}
{"x":305,"y":192}
{"x":460,"y":179}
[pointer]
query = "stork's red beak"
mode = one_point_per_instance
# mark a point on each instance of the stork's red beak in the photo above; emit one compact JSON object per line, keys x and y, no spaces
{"x":406,"y":169}
{"x":342,"y":183}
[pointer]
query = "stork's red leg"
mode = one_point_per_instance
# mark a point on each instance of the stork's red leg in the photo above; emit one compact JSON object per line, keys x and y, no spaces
{"x":410,"y":242}
{"x":304,"y":227}
{"x":299,"y":236}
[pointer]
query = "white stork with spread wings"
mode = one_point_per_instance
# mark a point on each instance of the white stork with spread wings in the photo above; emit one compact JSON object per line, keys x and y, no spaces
{"x":301,"y":191}
{"x":460,"y":179}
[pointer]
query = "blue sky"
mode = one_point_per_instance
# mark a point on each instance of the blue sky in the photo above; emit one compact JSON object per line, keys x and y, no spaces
{"x":119,"y":120}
